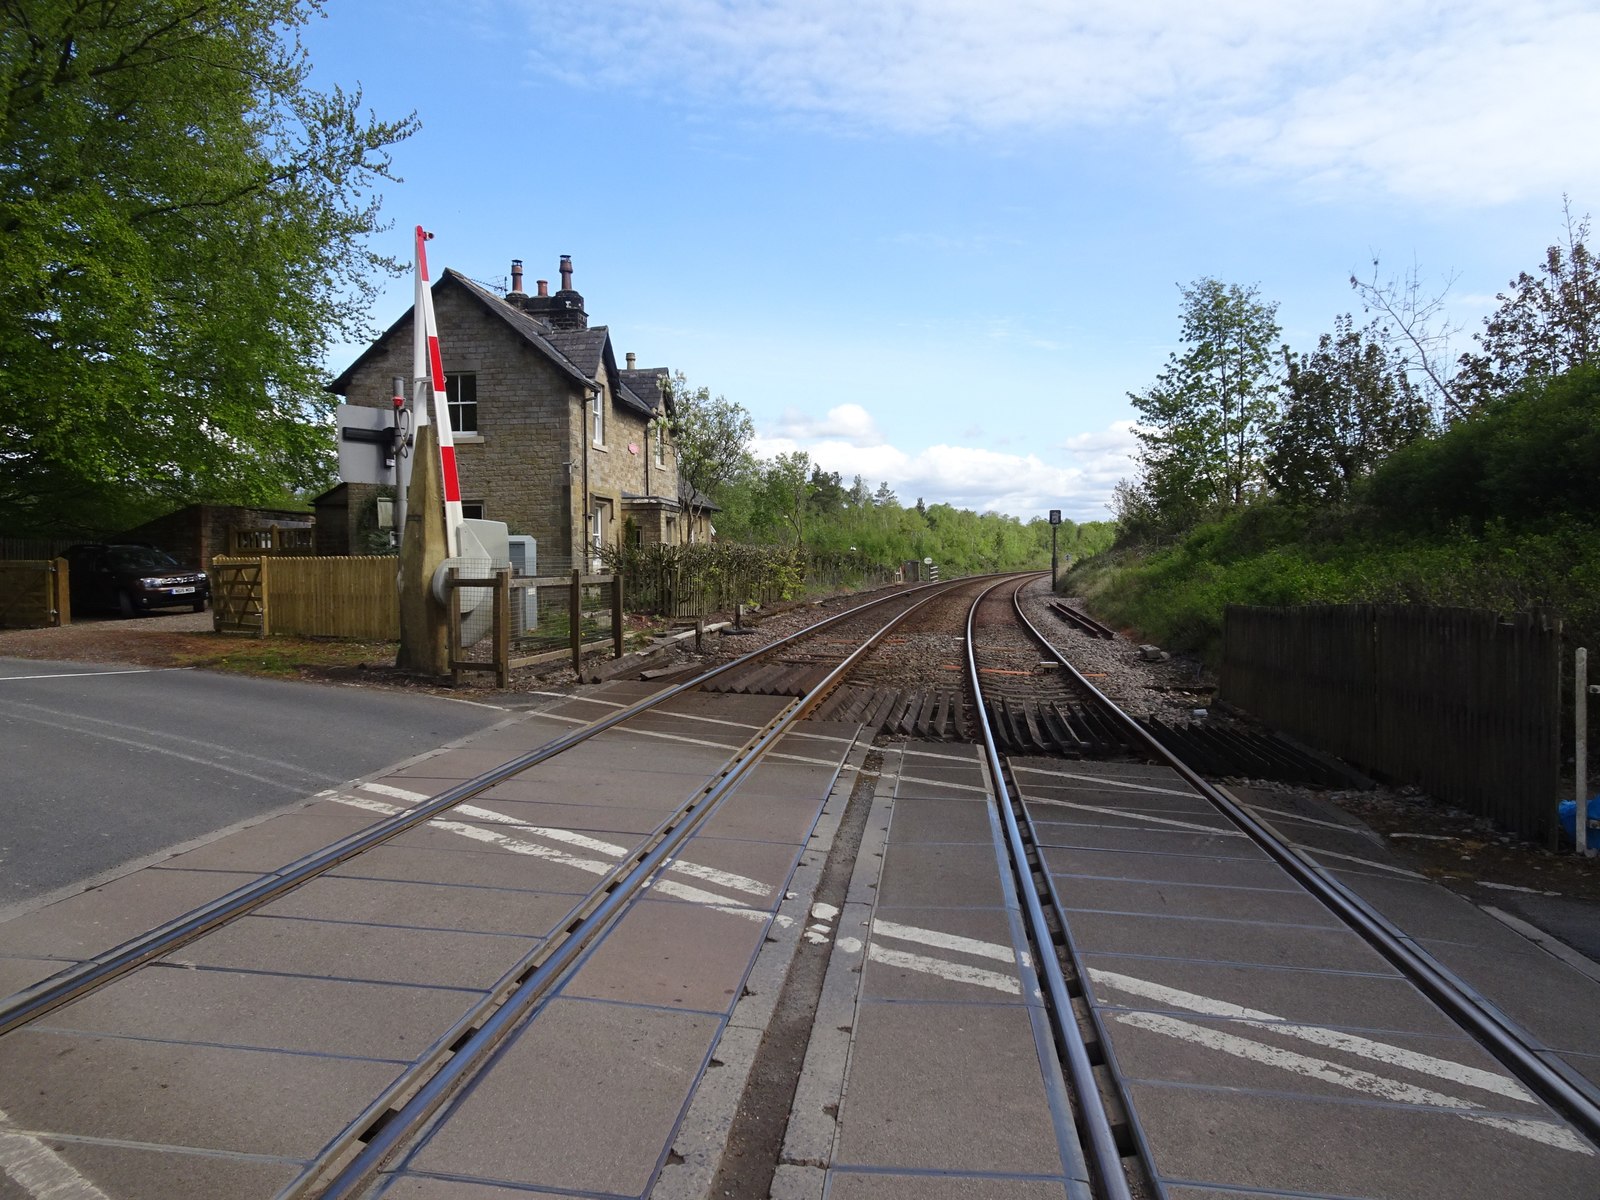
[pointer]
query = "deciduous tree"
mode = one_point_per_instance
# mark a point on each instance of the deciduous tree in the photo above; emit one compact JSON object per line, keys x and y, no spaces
{"x":711,"y":437}
{"x":1346,"y":407}
{"x":1204,"y":420}
{"x":184,"y":225}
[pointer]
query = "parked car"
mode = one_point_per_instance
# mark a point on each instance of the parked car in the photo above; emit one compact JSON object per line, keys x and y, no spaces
{"x":133,"y":579}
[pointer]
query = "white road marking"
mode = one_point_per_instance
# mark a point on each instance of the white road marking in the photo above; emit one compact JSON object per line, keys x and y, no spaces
{"x":1365,"y":862}
{"x":1100,"y":779}
{"x":943,"y":941}
{"x":824,"y":912}
{"x":955,"y":972}
{"x":39,"y":1170}
{"x":92,"y":674}
{"x":849,"y":945}
{"x":1547,"y":1133}
{"x":155,"y":748}
{"x":944,"y":783}
{"x":727,"y":879}
{"x":1290,"y":816}
{"x":1511,"y":887}
{"x":1394,"y":1056}
{"x":1138,"y":816}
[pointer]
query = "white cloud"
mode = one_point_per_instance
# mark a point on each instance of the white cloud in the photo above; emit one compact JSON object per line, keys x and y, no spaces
{"x":1020,"y":485}
{"x":1477,"y":101}
{"x":848,"y":423}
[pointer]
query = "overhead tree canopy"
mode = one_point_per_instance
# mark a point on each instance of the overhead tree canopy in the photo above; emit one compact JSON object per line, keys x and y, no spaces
{"x":183,"y":232}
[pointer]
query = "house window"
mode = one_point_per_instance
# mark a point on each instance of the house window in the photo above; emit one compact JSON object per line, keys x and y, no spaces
{"x":462,"y":394}
{"x":597,"y":407}
{"x":661,"y":442}
{"x":597,"y":535}
{"x":472,"y":510}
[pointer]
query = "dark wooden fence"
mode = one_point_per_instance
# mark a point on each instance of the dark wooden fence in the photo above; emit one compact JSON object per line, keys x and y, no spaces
{"x":1462,"y":703}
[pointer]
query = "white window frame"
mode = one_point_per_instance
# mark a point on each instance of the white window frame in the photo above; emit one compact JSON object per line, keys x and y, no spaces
{"x":661,"y":441}
{"x":455,"y":405}
{"x":598,"y":408}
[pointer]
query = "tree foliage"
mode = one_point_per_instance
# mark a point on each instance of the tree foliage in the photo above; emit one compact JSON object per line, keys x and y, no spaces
{"x":1346,"y":406}
{"x":1547,"y":324}
{"x":711,"y":438}
{"x":183,"y":232}
{"x":1203,"y":422}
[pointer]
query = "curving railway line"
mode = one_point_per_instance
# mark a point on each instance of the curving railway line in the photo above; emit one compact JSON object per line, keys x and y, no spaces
{"x":547,"y":962}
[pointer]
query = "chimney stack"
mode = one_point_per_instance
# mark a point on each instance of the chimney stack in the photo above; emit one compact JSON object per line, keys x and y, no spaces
{"x":544,"y":288}
{"x":632,"y":358}
{"x":566,"y":272}
{"x":516,"y":277}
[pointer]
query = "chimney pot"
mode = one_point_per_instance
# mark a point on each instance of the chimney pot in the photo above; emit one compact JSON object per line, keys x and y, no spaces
{"x":632,"y":358}
{"x":516,"y":276}
{"x":544,"y":287}
{"x":566,"y":272}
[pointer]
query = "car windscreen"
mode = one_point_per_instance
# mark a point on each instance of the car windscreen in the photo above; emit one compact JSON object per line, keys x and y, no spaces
{"x":140,"y":558}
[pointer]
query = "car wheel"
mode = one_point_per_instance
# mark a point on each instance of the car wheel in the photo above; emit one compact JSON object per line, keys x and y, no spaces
{"x":199,"y":606}
{"x":127,"y":606}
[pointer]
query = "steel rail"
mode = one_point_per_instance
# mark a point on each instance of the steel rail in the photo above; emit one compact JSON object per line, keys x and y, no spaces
{"x":444,"y":1078}
{"x":67,"y":985}
{"x":1093,"y":1122}
{"x":1576,"y":1100}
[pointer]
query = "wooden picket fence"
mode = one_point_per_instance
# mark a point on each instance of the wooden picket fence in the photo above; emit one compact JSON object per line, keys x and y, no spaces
{"x":1462,"y":703}
{"x":334,"y":597}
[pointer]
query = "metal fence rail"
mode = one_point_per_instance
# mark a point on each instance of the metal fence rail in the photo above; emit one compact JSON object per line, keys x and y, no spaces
{"x":1463,"y":703}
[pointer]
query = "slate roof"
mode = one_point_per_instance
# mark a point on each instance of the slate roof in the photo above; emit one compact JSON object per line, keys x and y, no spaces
{"x":649,"y":385}
{"x":532,"y":330}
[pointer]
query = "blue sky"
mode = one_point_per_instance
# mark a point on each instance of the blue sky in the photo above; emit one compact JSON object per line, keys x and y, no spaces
{"x":937,"y":242}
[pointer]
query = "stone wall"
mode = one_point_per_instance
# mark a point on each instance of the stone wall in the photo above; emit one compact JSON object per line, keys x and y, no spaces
{"x":532,"y":463}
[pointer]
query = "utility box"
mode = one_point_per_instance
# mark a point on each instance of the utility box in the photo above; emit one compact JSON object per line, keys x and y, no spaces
{"x":524,"y":554}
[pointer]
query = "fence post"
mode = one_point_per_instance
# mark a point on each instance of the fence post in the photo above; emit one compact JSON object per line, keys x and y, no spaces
{"x":502,"y":628}
{"x":61,"y":591}
{"x":261,"y":582}
{"x":575,"y":621}
{"x":452,"y":646}
{"x":616,"y":613}
{"x":1580,"y":772}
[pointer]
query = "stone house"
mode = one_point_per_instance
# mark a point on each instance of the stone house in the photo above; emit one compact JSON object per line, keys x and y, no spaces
{"x":552,"y":436}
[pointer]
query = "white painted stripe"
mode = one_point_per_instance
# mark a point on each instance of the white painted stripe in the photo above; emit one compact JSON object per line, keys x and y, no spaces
{"x":1138,"y":816}
{"x":727,"y":879}
{"x":824,"y":912}
{"x":1290,"y":816}
{"x":385,"y":789}
{"x":38,"y":1170}
{"x":1394,"y":1056}
{"x":533,"y":850}
{"x":74,"y":719}
{"x":965,"y":760}
{"x":738,"y":883}
{"x":944,"y":783}
{"x":943,"y":941}
{"x":1392,"y":1090}
{"x":955,"y":972}
{"x":92,"y":674}
{"x":1511,"y":887}
{"x":1102,"y":780}
{"x":155,"y":748}
{"x":1366,"y":862}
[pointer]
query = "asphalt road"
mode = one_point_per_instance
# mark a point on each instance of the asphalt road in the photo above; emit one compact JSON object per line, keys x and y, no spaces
{"x":106,"y":765}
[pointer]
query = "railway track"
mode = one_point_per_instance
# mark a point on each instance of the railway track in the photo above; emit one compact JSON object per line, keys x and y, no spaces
{"x":1096,"y":1009}
{"x":500,"y":887}
{"x":347,"y":1162}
